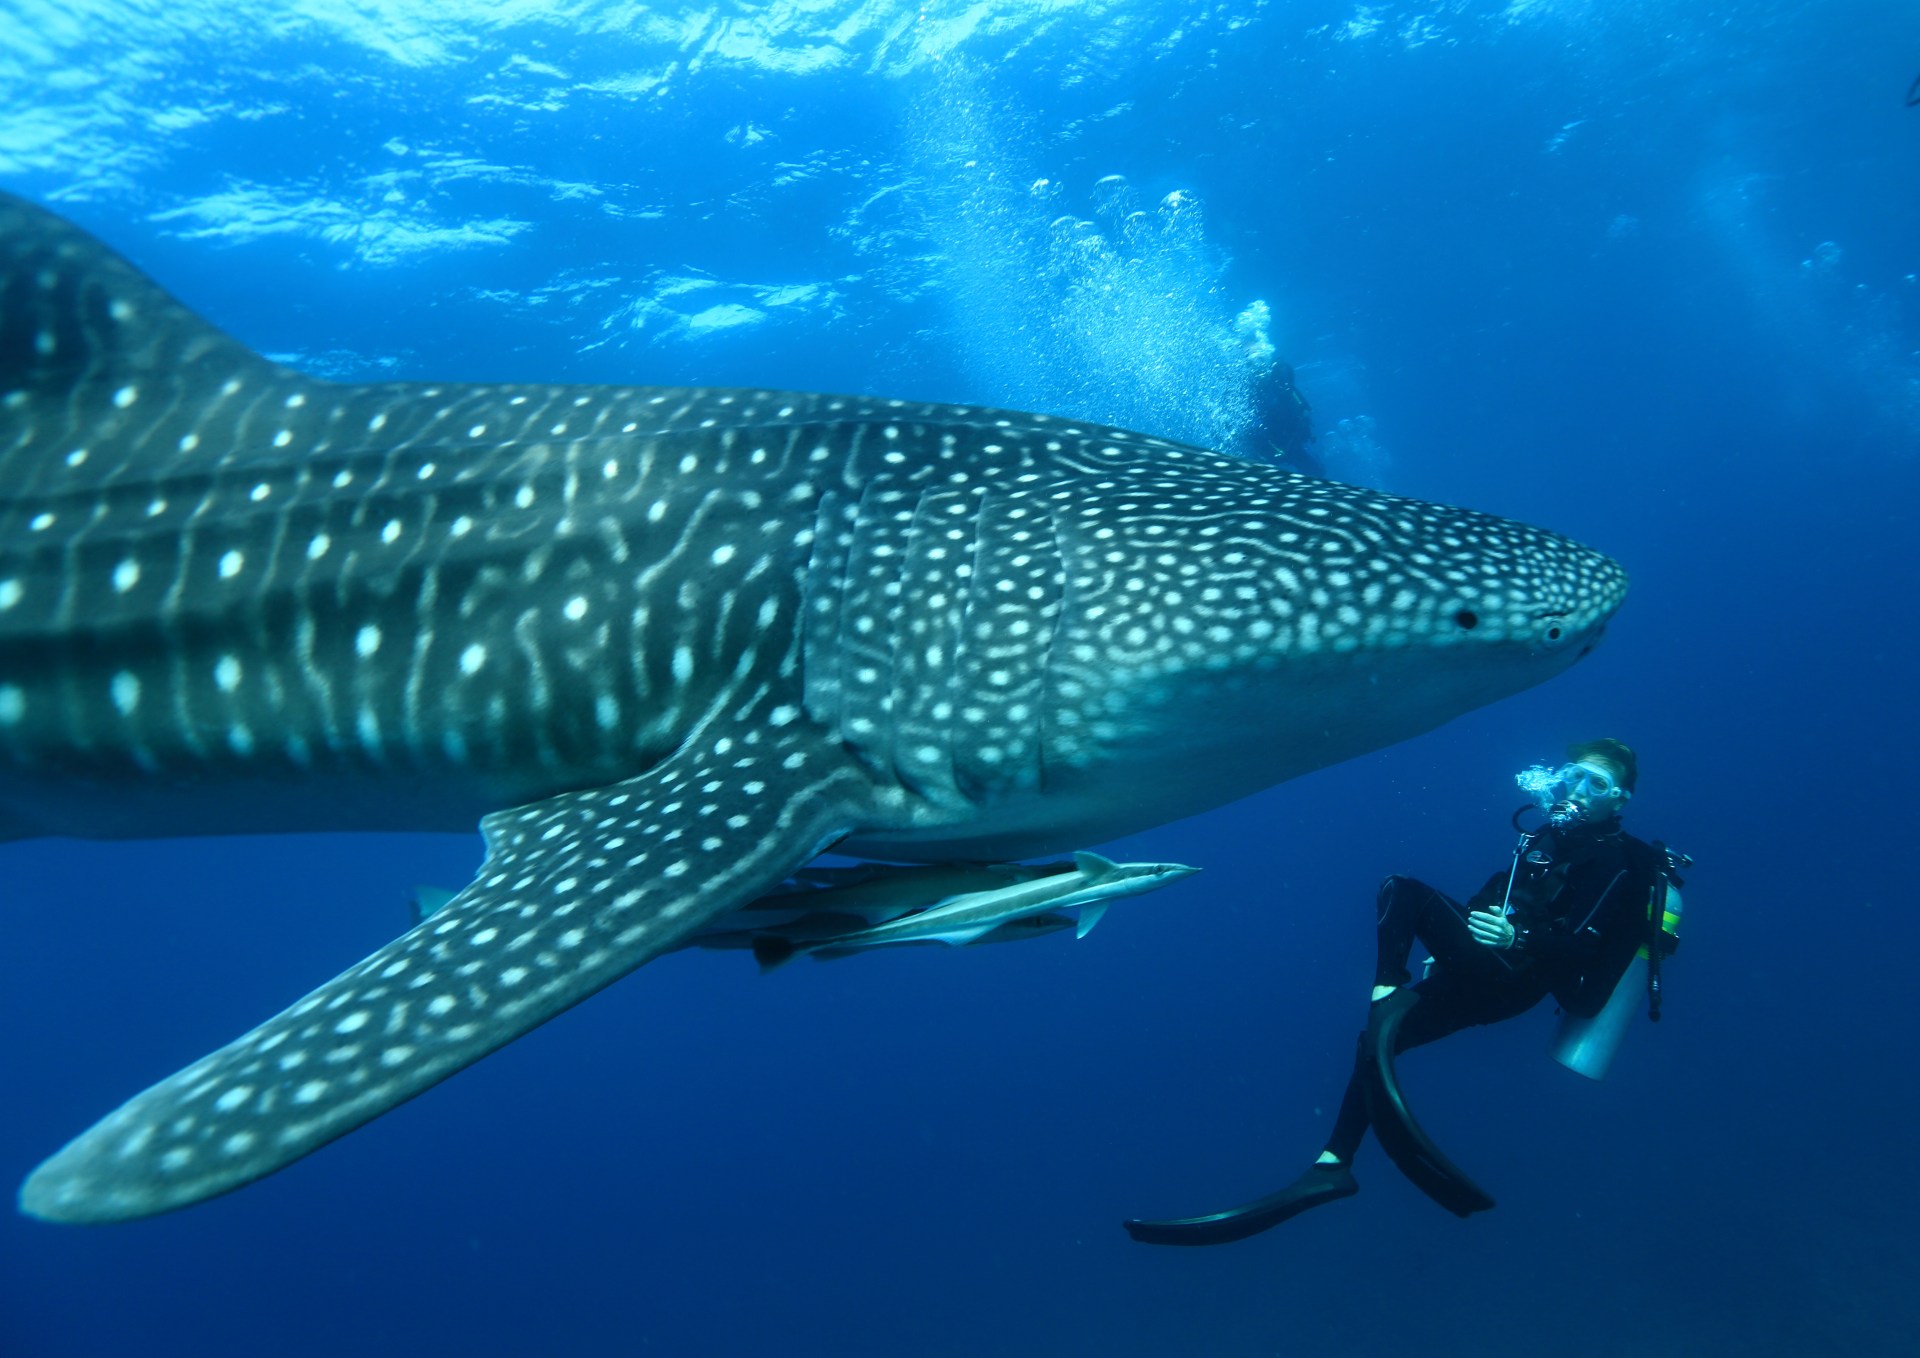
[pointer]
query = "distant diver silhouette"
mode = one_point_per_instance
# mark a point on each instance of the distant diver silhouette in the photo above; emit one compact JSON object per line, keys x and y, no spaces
{"x":1913,"y":93}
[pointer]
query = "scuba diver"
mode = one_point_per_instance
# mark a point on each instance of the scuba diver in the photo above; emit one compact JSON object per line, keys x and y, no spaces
{"x":1581,"y":901}
{"x":1282,"y":423}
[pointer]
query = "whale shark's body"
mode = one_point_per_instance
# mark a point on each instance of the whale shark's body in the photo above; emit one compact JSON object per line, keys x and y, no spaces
{"x":664,"y":645}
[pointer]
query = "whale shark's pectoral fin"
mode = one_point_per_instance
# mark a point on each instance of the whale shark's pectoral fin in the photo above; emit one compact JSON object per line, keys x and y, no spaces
{"x":575,"y":892}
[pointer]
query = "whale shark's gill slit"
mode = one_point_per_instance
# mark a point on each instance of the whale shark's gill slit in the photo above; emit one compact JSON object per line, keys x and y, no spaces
{"x":869,"y":596}
{"x":823,"y":614}
{"x":927,"y":643}
{"x":1049,"y":738}
{"x":1014,"y":592}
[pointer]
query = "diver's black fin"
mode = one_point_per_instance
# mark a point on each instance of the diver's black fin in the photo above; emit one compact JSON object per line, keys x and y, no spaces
{"x":1393,"y":1122}
{"x":1321,"y":1183}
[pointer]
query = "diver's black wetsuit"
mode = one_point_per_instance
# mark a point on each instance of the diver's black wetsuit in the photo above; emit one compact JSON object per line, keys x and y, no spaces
{"x":1579,"y":900}
{"x":1282,"y":424}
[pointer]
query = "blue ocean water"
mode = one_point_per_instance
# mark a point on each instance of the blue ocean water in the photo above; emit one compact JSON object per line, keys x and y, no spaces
{"x":1644,"y":273}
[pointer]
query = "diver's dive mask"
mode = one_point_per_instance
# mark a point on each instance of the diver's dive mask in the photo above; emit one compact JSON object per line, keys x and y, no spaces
{"x":1573,"y":793}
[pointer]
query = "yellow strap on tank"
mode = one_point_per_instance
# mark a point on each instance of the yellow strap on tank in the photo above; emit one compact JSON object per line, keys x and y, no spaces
{"x":1669,"y":919}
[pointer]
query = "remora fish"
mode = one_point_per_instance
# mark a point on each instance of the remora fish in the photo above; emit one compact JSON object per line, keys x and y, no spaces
{"x":1092,"y":883}
{"x":849,"y":897}
{"x":665,"y":644}
{"x":833,"y":900}
{"x":876,"y":892}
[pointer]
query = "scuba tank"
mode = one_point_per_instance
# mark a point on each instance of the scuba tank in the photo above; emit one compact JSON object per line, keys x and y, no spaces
{"x":1586,"y":1046}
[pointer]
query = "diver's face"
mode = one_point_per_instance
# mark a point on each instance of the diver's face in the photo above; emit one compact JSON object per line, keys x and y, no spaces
{"x":1593,"y":786}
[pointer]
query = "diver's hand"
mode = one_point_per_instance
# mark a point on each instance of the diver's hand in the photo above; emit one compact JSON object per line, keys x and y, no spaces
{"x":1496,"y":931}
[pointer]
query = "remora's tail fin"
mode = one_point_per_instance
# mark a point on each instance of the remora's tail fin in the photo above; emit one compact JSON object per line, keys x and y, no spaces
{"x":93,"y":354}
{"x":771,"y":951}
{"x":429,"y":901}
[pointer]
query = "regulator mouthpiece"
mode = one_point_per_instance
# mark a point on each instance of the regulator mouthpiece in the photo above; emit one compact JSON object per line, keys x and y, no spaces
{"x":1572,"y":793}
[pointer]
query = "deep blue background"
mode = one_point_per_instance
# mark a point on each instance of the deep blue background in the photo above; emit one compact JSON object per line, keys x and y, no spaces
{"x":1606,"y":328}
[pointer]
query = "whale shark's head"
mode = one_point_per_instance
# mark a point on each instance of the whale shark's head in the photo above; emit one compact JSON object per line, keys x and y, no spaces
{"x":1222,"y":626}
{"x":1272,"y":622}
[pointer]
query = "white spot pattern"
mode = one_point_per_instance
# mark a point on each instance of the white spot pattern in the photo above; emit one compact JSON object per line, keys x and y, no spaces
{"x":987,"y":596}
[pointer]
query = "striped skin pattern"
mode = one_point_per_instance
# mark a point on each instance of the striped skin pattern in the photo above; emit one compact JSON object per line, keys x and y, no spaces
{"x":664,"y":645}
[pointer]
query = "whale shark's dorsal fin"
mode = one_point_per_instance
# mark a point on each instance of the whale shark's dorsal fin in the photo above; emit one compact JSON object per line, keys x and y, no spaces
{"x":76,"y":312}
{"x":84,"y":332}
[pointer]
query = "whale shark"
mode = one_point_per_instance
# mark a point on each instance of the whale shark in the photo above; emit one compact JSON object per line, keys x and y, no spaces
{"x":662,"y":645}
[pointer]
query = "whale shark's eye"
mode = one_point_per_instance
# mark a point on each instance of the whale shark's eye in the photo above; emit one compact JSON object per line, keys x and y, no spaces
{"x":1551,"y":630}
{"x":1467,"y":618}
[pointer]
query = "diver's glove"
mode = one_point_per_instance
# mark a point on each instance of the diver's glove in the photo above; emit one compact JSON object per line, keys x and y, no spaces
{"x":1496,"y":931}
